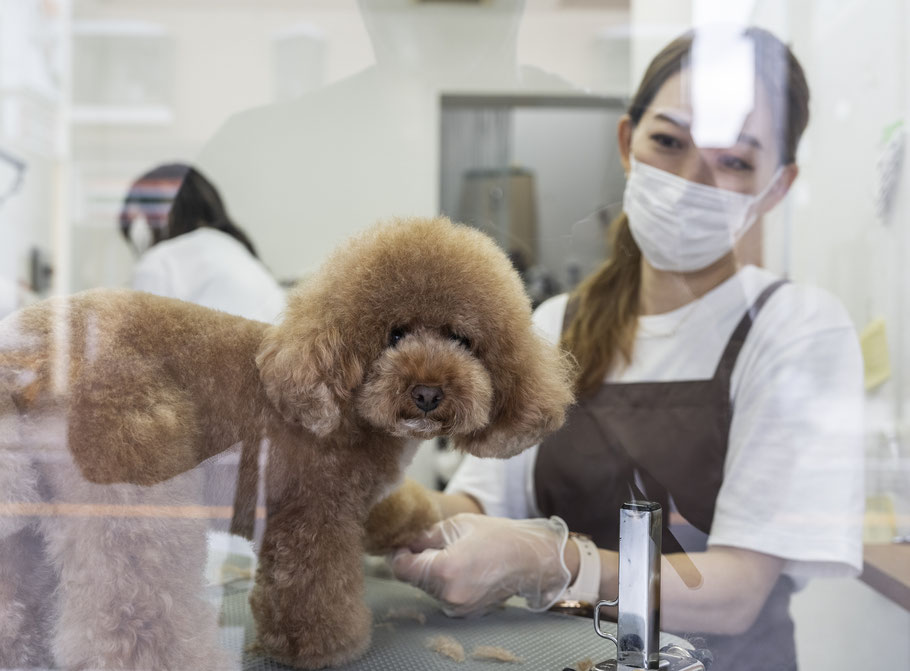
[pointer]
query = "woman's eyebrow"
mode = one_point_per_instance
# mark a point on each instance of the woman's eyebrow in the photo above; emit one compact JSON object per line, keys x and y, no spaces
{"x":684,"y":124}
{"x":679,"y":121}
{"x":750,"y":140}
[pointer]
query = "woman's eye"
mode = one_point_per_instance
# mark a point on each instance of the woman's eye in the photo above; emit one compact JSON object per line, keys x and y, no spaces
{"x":461,"y":340}
{"x":735,"y":163}
{"x":667,"y":141}
{"x":396,"y":335}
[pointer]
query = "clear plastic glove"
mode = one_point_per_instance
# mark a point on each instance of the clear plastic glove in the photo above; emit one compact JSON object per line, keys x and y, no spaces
{"x":474,"y":562}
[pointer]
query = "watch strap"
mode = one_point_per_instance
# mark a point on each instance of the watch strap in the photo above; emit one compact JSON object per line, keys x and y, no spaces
{"x":586,"y":586}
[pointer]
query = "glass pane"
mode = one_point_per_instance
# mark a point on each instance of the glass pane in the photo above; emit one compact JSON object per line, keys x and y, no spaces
{"x":681,"y":282}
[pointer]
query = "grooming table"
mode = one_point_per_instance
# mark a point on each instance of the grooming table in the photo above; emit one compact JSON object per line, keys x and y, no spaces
{"x":543,"y":641}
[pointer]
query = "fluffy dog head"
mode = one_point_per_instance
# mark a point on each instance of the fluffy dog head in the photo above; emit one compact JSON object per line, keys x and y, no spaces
{"x":418,"y":328}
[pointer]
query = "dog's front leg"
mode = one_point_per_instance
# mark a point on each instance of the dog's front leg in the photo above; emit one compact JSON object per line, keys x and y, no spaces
{"x":308,"y":598}
{"x":399,"y":517}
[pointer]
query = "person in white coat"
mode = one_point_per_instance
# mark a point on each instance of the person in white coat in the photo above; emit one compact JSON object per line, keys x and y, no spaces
{"x":190,"y":249}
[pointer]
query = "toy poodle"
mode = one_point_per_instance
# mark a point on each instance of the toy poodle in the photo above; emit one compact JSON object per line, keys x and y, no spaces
{"x":111,"y":399}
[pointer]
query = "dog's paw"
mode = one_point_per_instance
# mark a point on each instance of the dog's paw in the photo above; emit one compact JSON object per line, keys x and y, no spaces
{"x":399,"y":517}
{"x":341,"y":637}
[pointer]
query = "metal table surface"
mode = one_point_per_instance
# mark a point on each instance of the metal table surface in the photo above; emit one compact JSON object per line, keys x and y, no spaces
{"x":543,"y":641}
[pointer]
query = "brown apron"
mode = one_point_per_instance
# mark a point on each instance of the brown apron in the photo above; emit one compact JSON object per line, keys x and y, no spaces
{"x":664,"y":442}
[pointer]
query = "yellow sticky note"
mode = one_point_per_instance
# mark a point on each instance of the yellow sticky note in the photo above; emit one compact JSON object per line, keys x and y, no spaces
{"x":876,"y":360}
{"x":880,"y":524}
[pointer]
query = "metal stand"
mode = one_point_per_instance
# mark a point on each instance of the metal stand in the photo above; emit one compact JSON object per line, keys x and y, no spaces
{"x":638,"y":623}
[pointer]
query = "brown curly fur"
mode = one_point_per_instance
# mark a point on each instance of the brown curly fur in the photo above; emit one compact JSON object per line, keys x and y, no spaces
{"x":398,"y":517}
{"x":142,"y":389}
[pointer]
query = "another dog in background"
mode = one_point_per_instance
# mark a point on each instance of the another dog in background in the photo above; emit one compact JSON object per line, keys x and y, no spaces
{"x":111,"y":399}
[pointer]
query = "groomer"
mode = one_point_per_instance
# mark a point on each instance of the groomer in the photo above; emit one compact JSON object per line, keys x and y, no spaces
{"x":731,"y":397}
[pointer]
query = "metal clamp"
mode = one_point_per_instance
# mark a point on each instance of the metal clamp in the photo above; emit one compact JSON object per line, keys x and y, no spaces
{"x":600,"y":632}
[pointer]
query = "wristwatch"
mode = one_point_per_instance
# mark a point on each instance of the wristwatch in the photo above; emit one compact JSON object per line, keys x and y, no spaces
{"x":580,"y":597}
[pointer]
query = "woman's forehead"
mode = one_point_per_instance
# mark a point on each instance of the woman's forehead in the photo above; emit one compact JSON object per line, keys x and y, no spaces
{"x":715,"y":118}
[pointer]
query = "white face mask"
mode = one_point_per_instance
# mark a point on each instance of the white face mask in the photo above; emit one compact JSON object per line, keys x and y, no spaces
{"x":140,"y":233}
{"x":682,"y":226}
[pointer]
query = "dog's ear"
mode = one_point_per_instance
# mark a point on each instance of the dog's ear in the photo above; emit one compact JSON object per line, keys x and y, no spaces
{"x":532,"y":392}
{"x":309,"y":377}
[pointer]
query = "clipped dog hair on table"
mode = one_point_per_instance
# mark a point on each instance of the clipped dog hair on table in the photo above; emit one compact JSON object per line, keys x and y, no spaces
{"x":493,"y":653}
{"x":110,"y":400}
{"x":447,"y":647}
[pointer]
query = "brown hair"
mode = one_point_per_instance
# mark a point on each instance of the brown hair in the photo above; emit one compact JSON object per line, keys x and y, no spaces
{"x":602,"y":327}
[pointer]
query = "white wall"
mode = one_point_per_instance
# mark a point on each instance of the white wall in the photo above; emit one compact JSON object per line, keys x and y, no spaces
{"x":574,"y":158}
{"x":838,"y":242}
{"x":856,"y":63}
{"x":224,"y":63}
{"x":585,"y":45}
{"x":652,"y":24}
{"x":359,"y":158}
{"x":29,"y":114}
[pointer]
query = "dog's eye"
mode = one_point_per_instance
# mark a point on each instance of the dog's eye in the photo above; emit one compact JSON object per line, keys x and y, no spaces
{"x":461,"y":340}
{"x":395,"y":336}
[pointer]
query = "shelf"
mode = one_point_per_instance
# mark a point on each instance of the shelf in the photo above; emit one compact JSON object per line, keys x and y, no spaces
{"x":148,"y":115}
{"x":886,"y":569}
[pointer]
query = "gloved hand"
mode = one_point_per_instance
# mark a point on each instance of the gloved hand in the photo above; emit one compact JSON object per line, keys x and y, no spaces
{"x":473,"y":562}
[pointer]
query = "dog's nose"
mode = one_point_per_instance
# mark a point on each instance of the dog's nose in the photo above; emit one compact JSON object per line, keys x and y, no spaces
{"x":426,"y":398}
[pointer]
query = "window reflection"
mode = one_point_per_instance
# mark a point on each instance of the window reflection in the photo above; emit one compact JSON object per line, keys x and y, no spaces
{"x":312,"y":120}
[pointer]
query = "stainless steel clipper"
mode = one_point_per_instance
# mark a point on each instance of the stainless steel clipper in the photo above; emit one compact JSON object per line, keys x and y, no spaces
{"x":638,"y":624}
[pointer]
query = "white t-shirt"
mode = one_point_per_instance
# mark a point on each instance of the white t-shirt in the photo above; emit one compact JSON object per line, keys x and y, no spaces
{"x":210,"y":268}
{"x":793,"y":474}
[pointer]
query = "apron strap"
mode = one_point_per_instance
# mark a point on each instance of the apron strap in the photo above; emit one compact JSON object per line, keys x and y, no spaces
{"x":569,"y":314}
{"x":735,"y":344}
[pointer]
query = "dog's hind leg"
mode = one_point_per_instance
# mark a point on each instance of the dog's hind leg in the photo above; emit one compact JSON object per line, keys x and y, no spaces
{"x":132,"y":592}
{"x":27,"y":582}
{"x":26,"y":577}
